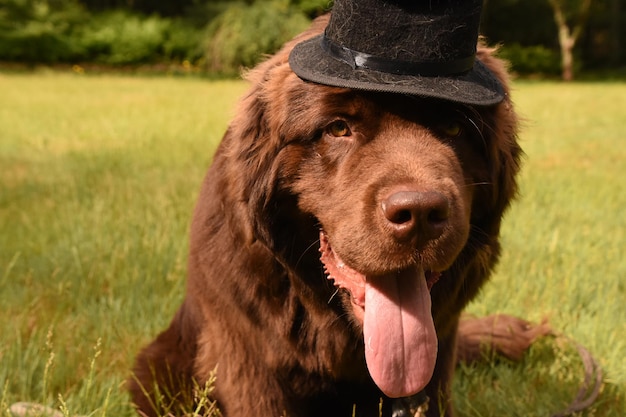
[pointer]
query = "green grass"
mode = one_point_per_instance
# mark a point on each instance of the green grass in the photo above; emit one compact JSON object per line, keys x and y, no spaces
{"x":564,"y":245}
{"x":98,"y":178}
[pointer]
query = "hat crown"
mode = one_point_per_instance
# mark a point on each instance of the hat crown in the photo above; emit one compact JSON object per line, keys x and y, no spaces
{"x":425,"y":48}
{"x":417,"y":31}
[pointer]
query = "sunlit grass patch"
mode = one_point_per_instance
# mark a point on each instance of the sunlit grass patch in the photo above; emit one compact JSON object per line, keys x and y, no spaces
{"x":98,"y":179}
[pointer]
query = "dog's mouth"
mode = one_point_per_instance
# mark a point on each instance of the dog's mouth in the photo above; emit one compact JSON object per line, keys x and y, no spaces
{"x":398,"y":328}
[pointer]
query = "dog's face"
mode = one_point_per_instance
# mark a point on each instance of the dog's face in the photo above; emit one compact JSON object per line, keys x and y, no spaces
{"x":390,"y":181}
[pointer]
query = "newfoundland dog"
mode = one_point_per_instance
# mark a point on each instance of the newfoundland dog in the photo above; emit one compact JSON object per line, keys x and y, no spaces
{"x":339,"y":233}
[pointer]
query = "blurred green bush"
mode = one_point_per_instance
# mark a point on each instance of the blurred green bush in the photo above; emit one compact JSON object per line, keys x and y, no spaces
{"x":532,"y":59}
{"x":120,"y":37}
{"x":243,"y":34}
{"x":39,"y":31}
{"x":57,"y":31}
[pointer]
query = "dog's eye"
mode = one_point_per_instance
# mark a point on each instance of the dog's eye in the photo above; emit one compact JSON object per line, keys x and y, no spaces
{"x":338,"y":129}
{"x":451,"y":129}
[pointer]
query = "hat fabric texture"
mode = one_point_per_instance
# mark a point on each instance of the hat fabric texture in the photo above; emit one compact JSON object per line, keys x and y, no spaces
{"x":424,"y":48}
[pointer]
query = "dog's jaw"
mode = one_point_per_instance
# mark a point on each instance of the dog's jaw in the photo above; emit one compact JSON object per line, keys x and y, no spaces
{"x":398,"y":329}
{"x":350,"y":280}
{"x":343,"y":276}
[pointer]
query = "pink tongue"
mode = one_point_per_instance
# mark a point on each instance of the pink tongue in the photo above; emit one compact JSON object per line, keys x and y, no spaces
{"x":400,"y":337}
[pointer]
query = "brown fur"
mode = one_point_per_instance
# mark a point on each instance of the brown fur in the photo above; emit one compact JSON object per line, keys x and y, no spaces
{"x":259,"y":308}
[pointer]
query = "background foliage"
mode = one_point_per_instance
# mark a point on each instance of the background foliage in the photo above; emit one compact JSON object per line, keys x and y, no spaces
{"x":242,"y":33}
{"x":221,"y":36}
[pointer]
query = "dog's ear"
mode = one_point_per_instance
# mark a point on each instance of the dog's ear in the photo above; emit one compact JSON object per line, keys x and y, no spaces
{"x":504,"y":153}
{"x":256,"y":146}
{"x":498,"y":187}
{"x":253,"y":151}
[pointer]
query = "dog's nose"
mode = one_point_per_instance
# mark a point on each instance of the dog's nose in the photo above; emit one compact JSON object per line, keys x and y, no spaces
{"x":416,"y":215}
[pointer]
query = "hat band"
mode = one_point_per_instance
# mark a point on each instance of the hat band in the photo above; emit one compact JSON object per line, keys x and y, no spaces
{"x":358,"y":59}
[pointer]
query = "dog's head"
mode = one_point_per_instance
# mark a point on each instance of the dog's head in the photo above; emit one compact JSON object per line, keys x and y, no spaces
{"x":402,"y":196}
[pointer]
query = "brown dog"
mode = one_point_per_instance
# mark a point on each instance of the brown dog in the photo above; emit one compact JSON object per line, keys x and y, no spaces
{"x":338,"y":236}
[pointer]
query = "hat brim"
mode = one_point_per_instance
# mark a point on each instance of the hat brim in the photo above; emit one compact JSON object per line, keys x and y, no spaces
{"x":479,"y":86}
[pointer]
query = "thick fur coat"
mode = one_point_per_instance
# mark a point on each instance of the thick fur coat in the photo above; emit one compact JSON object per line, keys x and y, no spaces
{"x":310,"y":180}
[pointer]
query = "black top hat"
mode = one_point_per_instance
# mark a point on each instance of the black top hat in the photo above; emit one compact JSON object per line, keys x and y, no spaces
{"x":418,"y":47}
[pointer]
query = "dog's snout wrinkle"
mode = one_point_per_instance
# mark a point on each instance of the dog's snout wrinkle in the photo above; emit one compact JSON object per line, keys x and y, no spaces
{"x":416,"y":215}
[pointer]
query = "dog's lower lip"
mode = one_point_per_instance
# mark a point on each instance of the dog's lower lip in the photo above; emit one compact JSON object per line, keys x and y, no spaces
{"x":431,"y":276}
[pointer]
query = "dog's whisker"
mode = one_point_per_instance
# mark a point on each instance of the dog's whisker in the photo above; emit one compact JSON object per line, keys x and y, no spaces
{"x":305,"y":251}
{"x":333,"y":295}
{"x":469,"y":114}
{"x":472,"y":184}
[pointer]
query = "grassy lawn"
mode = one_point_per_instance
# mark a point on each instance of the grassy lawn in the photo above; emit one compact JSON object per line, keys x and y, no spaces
{"x":98,"y":179}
